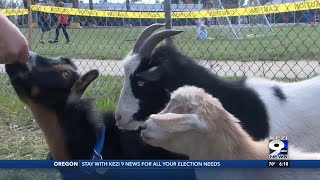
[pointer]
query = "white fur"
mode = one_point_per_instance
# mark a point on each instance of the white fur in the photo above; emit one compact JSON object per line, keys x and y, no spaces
{"x":213,"y":133}
{"x":299,"y":116}
{"x":128,"y":104}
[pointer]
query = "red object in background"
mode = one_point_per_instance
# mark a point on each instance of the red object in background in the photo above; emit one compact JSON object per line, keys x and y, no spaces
{"x":63,"y":19}
{"x":286,"y":18}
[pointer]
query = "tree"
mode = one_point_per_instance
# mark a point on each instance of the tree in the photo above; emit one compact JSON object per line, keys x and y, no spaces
{"x":128,"y":5}
{"x":92,"y":20}
{"x":91,"y":4}
{"x":128,"y":9}
{"x":1,"y":4}
{"x":75,"y":4}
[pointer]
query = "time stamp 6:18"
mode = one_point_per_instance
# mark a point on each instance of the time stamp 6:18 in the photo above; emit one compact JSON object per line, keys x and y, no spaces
{"x":278,"y":164}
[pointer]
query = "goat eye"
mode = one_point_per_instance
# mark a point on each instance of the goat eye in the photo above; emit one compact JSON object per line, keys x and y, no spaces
{"x":140,"y":83}
{"x":65,"y":75}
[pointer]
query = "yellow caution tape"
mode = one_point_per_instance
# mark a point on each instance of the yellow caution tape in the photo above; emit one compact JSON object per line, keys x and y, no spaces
{"x":14,"y":12}
{"x":245,"y":11}
{"x":97,"y":13}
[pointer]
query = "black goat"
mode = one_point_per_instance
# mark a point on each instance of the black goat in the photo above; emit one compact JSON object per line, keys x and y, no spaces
{"x":52,"y":89}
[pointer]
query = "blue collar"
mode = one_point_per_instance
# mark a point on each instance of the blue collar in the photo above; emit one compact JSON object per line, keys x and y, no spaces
{"x":99,"y":146}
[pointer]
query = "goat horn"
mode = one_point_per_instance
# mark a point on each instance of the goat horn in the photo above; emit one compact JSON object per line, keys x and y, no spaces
{"x":145,"y":34}
{"x":151,"y":42}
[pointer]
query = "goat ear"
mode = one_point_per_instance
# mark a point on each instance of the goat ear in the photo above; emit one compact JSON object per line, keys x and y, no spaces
{"x":178,"y":122}
{"x":152,"y":74}
{"x":81,"y":85}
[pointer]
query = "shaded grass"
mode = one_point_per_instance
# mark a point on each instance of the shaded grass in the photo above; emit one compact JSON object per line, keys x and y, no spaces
{"x":20,"y":138}
{"x":29,"y":174}
{"x":289,"y":42}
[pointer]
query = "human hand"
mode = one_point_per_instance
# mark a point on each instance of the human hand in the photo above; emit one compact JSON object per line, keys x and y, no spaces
{"x":13,"y":44}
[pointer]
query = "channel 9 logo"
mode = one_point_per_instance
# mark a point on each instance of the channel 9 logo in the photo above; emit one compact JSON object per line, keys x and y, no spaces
{"x":278,"y":147}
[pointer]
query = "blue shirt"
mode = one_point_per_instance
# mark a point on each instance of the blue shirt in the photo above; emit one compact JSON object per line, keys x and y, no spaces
{"x":203,"y":35}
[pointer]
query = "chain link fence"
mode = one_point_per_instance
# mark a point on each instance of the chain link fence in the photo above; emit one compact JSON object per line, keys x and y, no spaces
{"x":282,"y":45}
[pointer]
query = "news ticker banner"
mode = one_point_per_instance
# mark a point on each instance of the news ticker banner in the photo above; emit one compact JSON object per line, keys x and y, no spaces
{"x":160,"y":164}
{"x":244,"y":11}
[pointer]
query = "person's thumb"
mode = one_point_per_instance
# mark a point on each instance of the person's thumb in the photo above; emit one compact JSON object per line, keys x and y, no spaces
{"x":24,"y":54}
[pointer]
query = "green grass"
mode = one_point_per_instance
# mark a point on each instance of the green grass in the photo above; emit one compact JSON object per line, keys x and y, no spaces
{"x":29,"y":174}
{"x":289,"y":42}
{"x":20,"y":137}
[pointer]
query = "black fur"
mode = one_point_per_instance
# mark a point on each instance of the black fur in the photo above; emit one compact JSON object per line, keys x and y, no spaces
{"x":279,"y":93}
{"x":54,"y":88}
{"x":79,"y":128}
{"x":80,"y":121}
{"x":179,"y":70}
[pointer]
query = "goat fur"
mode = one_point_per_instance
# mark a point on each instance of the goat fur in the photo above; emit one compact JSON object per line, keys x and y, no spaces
{"x":52,"y":89}
{"x":264,"y":107}
{"x":195,"y":124}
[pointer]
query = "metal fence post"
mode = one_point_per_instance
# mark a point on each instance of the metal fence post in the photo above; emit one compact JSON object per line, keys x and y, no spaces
{"x":168,"y":20}
{"x":29,"y":38}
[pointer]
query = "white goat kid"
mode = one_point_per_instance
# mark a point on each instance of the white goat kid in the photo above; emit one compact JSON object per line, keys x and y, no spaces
{"x":195,"y":124}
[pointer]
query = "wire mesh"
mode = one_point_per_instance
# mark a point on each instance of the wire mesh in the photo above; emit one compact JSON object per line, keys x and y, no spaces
{"x":274,"y":45}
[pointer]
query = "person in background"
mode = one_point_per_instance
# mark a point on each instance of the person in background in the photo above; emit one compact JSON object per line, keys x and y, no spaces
{"x":62,"y":23}
{"x":203,"y":34}
{"x":200,"y":22}
{"x":208,"y":4}
{"x":312,"y":17}
{"x":307,"y":15}
{"x":13,"y":45}
{"x":45,"y":24}
{"x":286,"y":18}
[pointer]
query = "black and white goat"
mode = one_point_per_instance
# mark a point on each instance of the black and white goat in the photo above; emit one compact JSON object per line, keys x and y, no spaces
{"x":264,"y":107}
{"x":73,"y":128}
